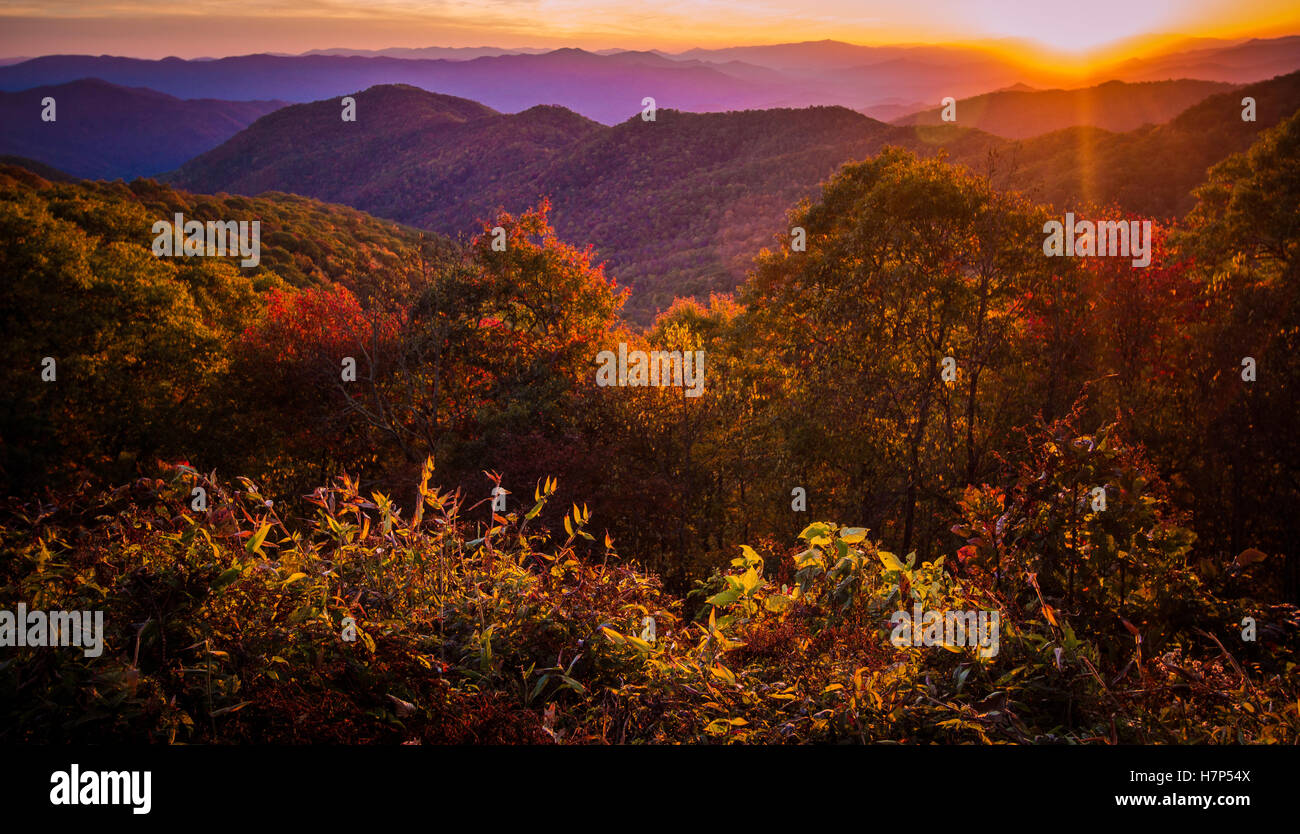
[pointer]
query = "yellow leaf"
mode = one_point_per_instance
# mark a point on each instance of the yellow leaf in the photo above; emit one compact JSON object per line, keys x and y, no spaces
{"x":255,"y":543}
{"x":777,"y":603}
{"x":890,"y":560}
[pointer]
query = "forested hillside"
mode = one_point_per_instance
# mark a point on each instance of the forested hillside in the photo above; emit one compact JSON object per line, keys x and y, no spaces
{"x":1113,"y":106}
{"x":102,"y":131}
{"x":917,"y":408}
{"x":143,"y":343}
{"x":676,"y":207}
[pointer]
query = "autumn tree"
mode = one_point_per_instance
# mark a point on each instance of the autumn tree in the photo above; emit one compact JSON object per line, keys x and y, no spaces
{"x":1243,"y":380}
{"x":898,"y":336}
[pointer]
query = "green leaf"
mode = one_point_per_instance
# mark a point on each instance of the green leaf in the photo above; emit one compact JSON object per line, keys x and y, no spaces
{"x":301,"y":613}
{"x":639,"y":644}
{"x":255,"y":543}
{"x":724,"y":673}
{"x":808,"y":558}
{"x":816,"y":531}
{"x":226,"y":578}
{"x":576,"y":686}
{"x":724,"y":598}
{"x":853,"y":535}
{"x":751,"y":581}
{"x":778,"y":603}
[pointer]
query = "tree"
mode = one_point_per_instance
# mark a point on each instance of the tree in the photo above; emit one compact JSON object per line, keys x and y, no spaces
{"x":908,"y":263}
{"x":1244,"y":239}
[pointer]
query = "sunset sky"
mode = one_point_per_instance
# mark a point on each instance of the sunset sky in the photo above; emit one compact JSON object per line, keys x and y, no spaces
{"x":1077,"y":28}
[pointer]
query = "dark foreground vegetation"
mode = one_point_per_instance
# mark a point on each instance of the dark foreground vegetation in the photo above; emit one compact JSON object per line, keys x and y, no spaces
{"x":366,"y":626}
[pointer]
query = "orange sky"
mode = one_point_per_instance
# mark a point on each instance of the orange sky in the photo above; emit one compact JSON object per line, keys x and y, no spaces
{"x":1061,"y":32}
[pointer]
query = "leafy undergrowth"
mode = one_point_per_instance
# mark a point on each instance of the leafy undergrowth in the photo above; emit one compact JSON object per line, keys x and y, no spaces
{"x":231,"y":624}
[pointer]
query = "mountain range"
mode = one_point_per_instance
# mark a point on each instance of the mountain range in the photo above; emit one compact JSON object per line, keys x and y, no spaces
{"x":676,"y":205}
{"x":609,"y":87}
{"x":1114,"y":105}
{"x":103,"y":131}
{"x":679,"y":205}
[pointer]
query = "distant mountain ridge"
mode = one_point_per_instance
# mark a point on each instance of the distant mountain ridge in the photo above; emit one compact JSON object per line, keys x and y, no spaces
{"x":46,"y":172}
{"x":605,"y":88}
{"x":451,"y":53}
{"x":102,"y":130}
{"x":1114,"y":105}
{"x":420,"y":158}
{"x":1153,"y":169}
{"x":680,"y":205}
{"x":609,"y":86}
{"x":1254,"y":59}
